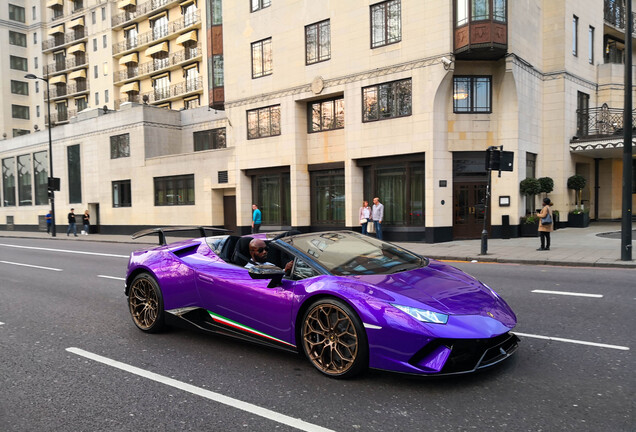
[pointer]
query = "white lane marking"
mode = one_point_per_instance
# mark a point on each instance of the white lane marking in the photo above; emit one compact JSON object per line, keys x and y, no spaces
{"x":65,"y":251}
{"x":217,"y":397}
{"x":111,"y":277}
{"x":29,"y":265}
{"x":617,"y":347}
{"x":565,"y":293}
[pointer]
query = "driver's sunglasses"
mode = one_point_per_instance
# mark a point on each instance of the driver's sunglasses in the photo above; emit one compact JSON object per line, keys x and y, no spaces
{"x":261,"y":249}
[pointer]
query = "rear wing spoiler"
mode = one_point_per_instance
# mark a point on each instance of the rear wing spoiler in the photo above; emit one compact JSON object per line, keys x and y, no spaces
{"x":162,"y":232}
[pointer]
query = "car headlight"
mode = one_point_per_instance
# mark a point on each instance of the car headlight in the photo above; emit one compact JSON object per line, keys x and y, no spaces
{"x":423,"y":315}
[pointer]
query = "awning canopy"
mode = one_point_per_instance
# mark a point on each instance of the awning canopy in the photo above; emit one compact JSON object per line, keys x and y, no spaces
{"x":77,"y":74}
{"x":79,"y":22}
{"x":189,"y":36}
{"x":123,"y":3}
{"x":55,"y":30}
{"x":130,"y":58}
{"x":76,"y":48}
{"x":53,"y":3}
{"x":60,"y":79}
{"x":133,"y":86}
{"x":157,"y":49}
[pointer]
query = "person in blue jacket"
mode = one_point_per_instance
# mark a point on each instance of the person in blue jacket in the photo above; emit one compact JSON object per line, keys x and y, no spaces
{"x":256,"y":219}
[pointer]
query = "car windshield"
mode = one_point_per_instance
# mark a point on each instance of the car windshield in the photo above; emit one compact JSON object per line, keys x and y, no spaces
{"x":345,"y":254}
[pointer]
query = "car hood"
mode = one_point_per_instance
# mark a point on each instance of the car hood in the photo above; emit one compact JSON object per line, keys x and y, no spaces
{"x":443,"y":288}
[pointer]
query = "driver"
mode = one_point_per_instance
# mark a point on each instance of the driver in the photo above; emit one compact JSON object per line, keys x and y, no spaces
{"x":258,"y":256}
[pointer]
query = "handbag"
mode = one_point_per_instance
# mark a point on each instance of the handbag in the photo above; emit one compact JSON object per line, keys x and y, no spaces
{"x":547,"y":220}
{"x":363,"y":221}
{"x":371,"y":227}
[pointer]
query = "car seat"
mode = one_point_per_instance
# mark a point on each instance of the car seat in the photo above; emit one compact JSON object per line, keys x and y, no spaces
{"x":241,"y":254}
{"x":228,"y":248}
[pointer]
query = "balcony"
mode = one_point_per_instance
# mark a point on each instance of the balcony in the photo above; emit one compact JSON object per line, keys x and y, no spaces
{"x":66,"y":90}
{"x":175,"y":91}
{"x":69,"y":63}
{"x":614,"y":14}
{"x":63,"y":39}
{"x":133,"y":12}
{"x":175,"y":59}
{"x":481,"y":29}
{"x":158,"y":33}
{"x":131,"y":98}
{"x":60,"y":117}
{"x":599,"y":122}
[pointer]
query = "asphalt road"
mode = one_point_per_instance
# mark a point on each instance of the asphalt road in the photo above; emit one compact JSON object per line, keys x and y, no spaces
{"x":57,"y":316}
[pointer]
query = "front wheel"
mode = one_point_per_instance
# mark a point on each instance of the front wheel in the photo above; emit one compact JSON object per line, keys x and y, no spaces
{"x":145,"y":303}
{"x":334,"y":340}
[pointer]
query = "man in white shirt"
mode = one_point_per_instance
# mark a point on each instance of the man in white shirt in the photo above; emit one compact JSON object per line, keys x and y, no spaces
{"x":377,"y":214}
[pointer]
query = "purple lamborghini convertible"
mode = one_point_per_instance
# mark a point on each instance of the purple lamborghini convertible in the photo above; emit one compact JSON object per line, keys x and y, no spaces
{"x":350,"y":302}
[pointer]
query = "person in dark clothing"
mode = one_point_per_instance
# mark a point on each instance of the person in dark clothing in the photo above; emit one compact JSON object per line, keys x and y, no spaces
{"x":86,"y":219}
{"x":71,"y":223}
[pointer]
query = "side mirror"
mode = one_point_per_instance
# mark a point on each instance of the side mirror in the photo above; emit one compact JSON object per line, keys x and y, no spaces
{"x":268,"y":272}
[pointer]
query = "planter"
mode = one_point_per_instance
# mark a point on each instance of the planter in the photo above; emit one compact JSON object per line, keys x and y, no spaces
{"x":580,"y":220}
{"x":528,"y":229}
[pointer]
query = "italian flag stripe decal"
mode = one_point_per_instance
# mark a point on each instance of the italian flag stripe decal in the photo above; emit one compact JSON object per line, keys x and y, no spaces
{"x":222,"y":320}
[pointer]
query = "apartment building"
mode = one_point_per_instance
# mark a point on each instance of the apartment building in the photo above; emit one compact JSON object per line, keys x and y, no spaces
{"x":329,"y":104}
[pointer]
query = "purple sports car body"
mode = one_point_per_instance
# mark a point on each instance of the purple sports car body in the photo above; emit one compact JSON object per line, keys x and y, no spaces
{"x":348,"y":302}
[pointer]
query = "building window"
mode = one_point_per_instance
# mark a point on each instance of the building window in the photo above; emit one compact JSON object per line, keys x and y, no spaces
{"x":317,"y":42}
{"x":388,"y":100}
{"x":121,"y":193}
{"x":161,"y":87}
{"x":25,"y":196}
{"x":174,"y":190}
{"x":96,"y":98}
{"x":191,"y":75}
{"x":93,"y":17}
{"x":40,"y":177}
{"x":590,"y":42}
{"x":262,"y":58}
{"x":35,"y":63}
{"x":8,"y":181}
{"x":386,"y":23}
{"x":106,"y":98}
{"x":104,"y":41}
{"x":575,"y":34}
{"x":193,"y":102}
{"x":74,"y":174}
{"x":37,"y":87}
{"x":35,"y":38}
{"x":531,"y":172}
{"x":217,"y":12}
{"x":19,"y":39}
{"x":19,"y":87}
{"x":62,"y":111}
{"x":37,"y":111}
{"x":328,"y":197}
{"x":78,"y":5}
{"x":20,"y":112}
{"x":103,"y":14}
{"x":81,"y":104}
{"x":130,"y":34}
{"x":499,"y":10}
{"x":120,"y":146}
{"x":326,"y":115}
{"x":583,"y":114}
{"x":259,"y":4}
{"x":271,"y":192}
{"x":472,"y":94}
{"x":105,"y":68}
{"x":18,"y":63}
{"x":33,"y":10}
{"x":96,"y":71}
{"x":217,"y":65}
{"x":209,"y":139}
{"x":263,"y":122}
{"x":399,"y":183}
{"x":159,"y":27}
{"x":480,"y":10}
{"x":94,"y":44}
{"x":189,"y":13}
{"x":16,"y":13}
{"x":20,"y":132}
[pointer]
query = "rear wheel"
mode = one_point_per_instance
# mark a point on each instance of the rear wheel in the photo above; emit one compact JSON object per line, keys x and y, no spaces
{"x":145,"y":303}
{"x":334,"y":340}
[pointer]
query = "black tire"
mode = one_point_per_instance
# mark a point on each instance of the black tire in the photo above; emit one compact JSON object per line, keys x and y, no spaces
{"x":145,"y":304}
{"x":334,"y":340}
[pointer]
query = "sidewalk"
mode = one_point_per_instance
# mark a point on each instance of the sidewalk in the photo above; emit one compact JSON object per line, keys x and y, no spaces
{"x":597,"y":245}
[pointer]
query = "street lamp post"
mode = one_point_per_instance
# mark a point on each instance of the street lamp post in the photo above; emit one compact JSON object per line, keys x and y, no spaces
{"x":50,"y":187}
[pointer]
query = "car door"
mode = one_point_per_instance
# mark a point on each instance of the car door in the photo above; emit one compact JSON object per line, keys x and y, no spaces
{"x":248,"y":305}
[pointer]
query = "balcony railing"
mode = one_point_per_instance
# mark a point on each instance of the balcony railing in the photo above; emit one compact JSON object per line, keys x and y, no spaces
{"x":600,"y":122}
{"x":60,"y":116}
{"x":69,"y":63}
{"x":175,"y":90}
{"x":156,"y":34}
{"x":131,"y":98}
{"x":58,"y":90}
{"x":139,"y":10}
{"x":152,"y":66}
{"x":63,"y":39}
{"x":614,"y":14}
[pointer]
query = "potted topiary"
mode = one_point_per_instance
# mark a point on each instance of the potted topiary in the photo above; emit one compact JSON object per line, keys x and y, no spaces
{"x":580,"y":217}
{"x":529,"y":225}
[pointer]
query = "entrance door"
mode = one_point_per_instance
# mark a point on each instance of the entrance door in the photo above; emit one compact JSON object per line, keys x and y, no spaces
{"x":229,"y":213}
{"x":93,"y":211}
{"x":468,"y":213}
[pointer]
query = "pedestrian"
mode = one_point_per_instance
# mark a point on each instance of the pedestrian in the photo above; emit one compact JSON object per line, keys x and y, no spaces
{"x":71,"y":223}
{"x":365,"y":216}
{"x":48,"y":222}
{"x":377,"y":214}
{"x":86,"y":219}
{"x":256,"y":219}
{"x":546,"y":224}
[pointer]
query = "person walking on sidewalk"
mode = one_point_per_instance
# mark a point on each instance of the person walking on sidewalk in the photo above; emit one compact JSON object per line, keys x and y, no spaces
{"x":545,"y":228}
{"x":365,"y":216}
{"x":71,"y":223}
{"x":256,"y":219}
{"x":377,"y":214}
{"x":48,"y":222}
{"x":86,"y":219}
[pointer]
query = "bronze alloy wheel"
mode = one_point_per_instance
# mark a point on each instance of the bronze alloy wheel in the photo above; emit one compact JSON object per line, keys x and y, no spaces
{"x":146,"y":304}
{"x":333,"y":339}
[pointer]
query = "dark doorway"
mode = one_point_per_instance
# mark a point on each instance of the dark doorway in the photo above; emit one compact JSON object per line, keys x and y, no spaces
{"x":229,"y":213}
{"x":93,"y":211}
{"x":468,"y":211}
